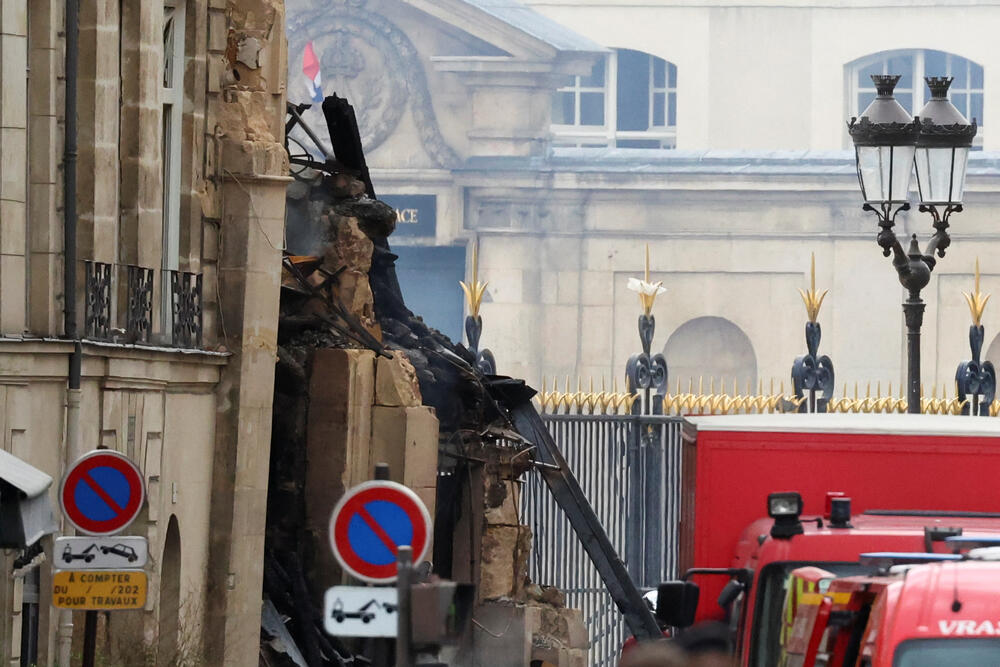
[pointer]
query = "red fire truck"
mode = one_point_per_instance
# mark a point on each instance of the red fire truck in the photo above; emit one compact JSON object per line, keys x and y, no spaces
{"x":833,"y":487}
{"x":946,"y":611}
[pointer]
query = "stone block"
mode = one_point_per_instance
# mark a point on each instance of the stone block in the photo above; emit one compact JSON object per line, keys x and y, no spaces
{"x":396,"y":381}
{"x":12,"y":280}
{"x":13,"y":65}
{"x":504,"y":513}
{"x":342,"y":386}
{"x":217,"y":32}
{"x":12,"y":228}
{"x":388,"y":443}
{"x":500,"y":636}
{"x":13,"y":149}
{"x":503,"y":561}
{"x":421,"y":448}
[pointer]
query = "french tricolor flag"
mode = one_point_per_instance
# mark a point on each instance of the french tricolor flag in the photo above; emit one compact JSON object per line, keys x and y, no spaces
{"x":310,"y":67}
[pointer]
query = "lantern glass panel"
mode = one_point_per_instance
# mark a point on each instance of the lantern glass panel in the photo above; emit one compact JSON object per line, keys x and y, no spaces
{"x":941,"y":174}
{"x":885,"y":172}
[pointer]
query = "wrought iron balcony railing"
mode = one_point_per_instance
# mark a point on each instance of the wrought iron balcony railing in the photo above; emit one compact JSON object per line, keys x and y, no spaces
{"x":182,"y":326}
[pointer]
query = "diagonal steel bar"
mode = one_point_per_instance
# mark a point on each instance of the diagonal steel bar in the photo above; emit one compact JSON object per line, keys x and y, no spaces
{"x":566,"y":490}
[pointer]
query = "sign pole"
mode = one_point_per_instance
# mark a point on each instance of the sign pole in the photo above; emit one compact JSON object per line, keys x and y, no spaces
{"x":404,"y":564}
{"x":89,"y":638}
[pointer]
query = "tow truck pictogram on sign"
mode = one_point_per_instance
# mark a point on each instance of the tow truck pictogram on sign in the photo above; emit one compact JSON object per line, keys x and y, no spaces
{"x":358,"y":611}
{"x":99,"y":553}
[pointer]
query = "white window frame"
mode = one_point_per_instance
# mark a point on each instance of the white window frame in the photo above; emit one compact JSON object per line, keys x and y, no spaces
{"x":608,"y":135}
{"x":919,"y":90}
{"x":172,"y":99}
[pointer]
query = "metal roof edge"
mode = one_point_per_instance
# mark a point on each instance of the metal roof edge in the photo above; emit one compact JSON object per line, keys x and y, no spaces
{"x":859,"y":424}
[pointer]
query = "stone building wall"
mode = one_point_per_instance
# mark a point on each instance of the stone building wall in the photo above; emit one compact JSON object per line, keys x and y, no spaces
{"x":194,"y":414}
{"x":761,"y":179}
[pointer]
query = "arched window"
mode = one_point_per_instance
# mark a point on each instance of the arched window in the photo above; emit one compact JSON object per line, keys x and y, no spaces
{"x":913,"y":65}
{"x":629,"y":100}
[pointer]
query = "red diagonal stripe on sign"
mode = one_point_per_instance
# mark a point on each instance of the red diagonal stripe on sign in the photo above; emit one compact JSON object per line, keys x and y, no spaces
{"x":96,"y":488}
{"x":377,"y":529}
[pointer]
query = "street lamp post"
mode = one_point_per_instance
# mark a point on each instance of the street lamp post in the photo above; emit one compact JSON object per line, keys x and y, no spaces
{"x":888,"y":144}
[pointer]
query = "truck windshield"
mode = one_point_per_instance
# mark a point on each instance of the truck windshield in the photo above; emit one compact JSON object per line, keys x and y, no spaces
{"x":772,"y":585}
{"x":963,"y":651}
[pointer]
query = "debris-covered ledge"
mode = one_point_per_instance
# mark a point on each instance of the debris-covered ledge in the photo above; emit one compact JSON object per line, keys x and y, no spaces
{"x":360,"y":379}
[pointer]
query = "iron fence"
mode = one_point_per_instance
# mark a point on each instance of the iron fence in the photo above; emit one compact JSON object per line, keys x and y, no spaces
{"x":628,"y":466}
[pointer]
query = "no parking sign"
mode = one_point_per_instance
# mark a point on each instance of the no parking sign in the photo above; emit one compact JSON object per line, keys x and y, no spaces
{"x":371,"y":522}
{"x":102,"y":493}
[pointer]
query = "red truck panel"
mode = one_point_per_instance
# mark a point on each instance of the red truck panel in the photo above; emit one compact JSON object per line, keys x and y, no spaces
{"x":728,"y":474}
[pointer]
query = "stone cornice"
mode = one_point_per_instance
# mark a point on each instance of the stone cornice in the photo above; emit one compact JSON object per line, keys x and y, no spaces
{"x":134,"y":367}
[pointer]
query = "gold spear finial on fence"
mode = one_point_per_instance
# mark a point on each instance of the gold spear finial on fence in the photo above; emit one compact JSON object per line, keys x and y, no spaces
{"x":474,"y":291}
{"x":977,"y":300}
{"x":812,"y":299}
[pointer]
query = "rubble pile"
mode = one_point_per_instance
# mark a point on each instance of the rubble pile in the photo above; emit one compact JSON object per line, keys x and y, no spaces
{"x":338,"y":241}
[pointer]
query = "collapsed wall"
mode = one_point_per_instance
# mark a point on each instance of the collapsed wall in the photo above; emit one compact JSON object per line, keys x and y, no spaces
{"x":359,"y":380}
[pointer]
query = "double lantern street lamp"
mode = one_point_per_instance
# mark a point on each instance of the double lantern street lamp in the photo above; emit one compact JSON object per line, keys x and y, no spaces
{"x":888,"y":145}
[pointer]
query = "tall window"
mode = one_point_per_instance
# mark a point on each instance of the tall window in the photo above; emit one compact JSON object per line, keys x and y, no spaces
{"x":629,"y":100}
{"x":173,"y":110}
{"x":966,"y":90}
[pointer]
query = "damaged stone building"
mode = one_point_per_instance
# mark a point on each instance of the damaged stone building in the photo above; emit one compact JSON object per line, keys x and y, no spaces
{"x":142,"y":196}
{"x":361,"y":380}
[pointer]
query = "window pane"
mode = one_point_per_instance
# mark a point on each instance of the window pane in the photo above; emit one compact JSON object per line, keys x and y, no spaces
{"x":864,"y":99}
{"x":592,"y":109}
{"x":961,"y":103}
{"x":864,"y":74}
{"x":977,"y":76}
{"x":596,"y":78}
{"x":672,"y":110}
{"x":562,"y":109}
{"x":935,"y":63}
{"x":658,"y":110}
{"x":906,"y":101}
{"x":959,"y":70}
{"x":659,"y":72}
{"x":633,"y":90}
{"x":902,"y":65}
{"x":672,"y":75}
{"x":638,"y":143}
{"x":976,"y":107}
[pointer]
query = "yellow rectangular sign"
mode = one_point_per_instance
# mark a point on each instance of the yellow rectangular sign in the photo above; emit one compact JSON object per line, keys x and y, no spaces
{"x":105,"y":590}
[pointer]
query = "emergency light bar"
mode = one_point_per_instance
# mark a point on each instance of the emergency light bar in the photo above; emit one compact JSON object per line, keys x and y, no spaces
{"x":972,"y":541}
{"x":890,"y":558}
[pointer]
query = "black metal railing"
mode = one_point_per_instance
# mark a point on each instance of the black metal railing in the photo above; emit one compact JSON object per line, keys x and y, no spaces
{"x":185,"y":308}
{"x":97,"y":308}
{"x":139,"y":316}
{"x":182,"y":320}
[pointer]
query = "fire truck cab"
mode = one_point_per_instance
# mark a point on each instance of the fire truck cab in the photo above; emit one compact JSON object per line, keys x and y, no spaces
{"x":937,"y":471}
{"x":946,"y":611}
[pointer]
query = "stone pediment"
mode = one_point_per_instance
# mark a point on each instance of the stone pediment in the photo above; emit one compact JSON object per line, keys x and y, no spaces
{"x":385,"y":55}
{"x":518,"y":30}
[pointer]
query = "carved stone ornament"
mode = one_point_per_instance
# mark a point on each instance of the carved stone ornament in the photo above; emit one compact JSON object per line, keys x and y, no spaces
{"x":367,"y":59}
